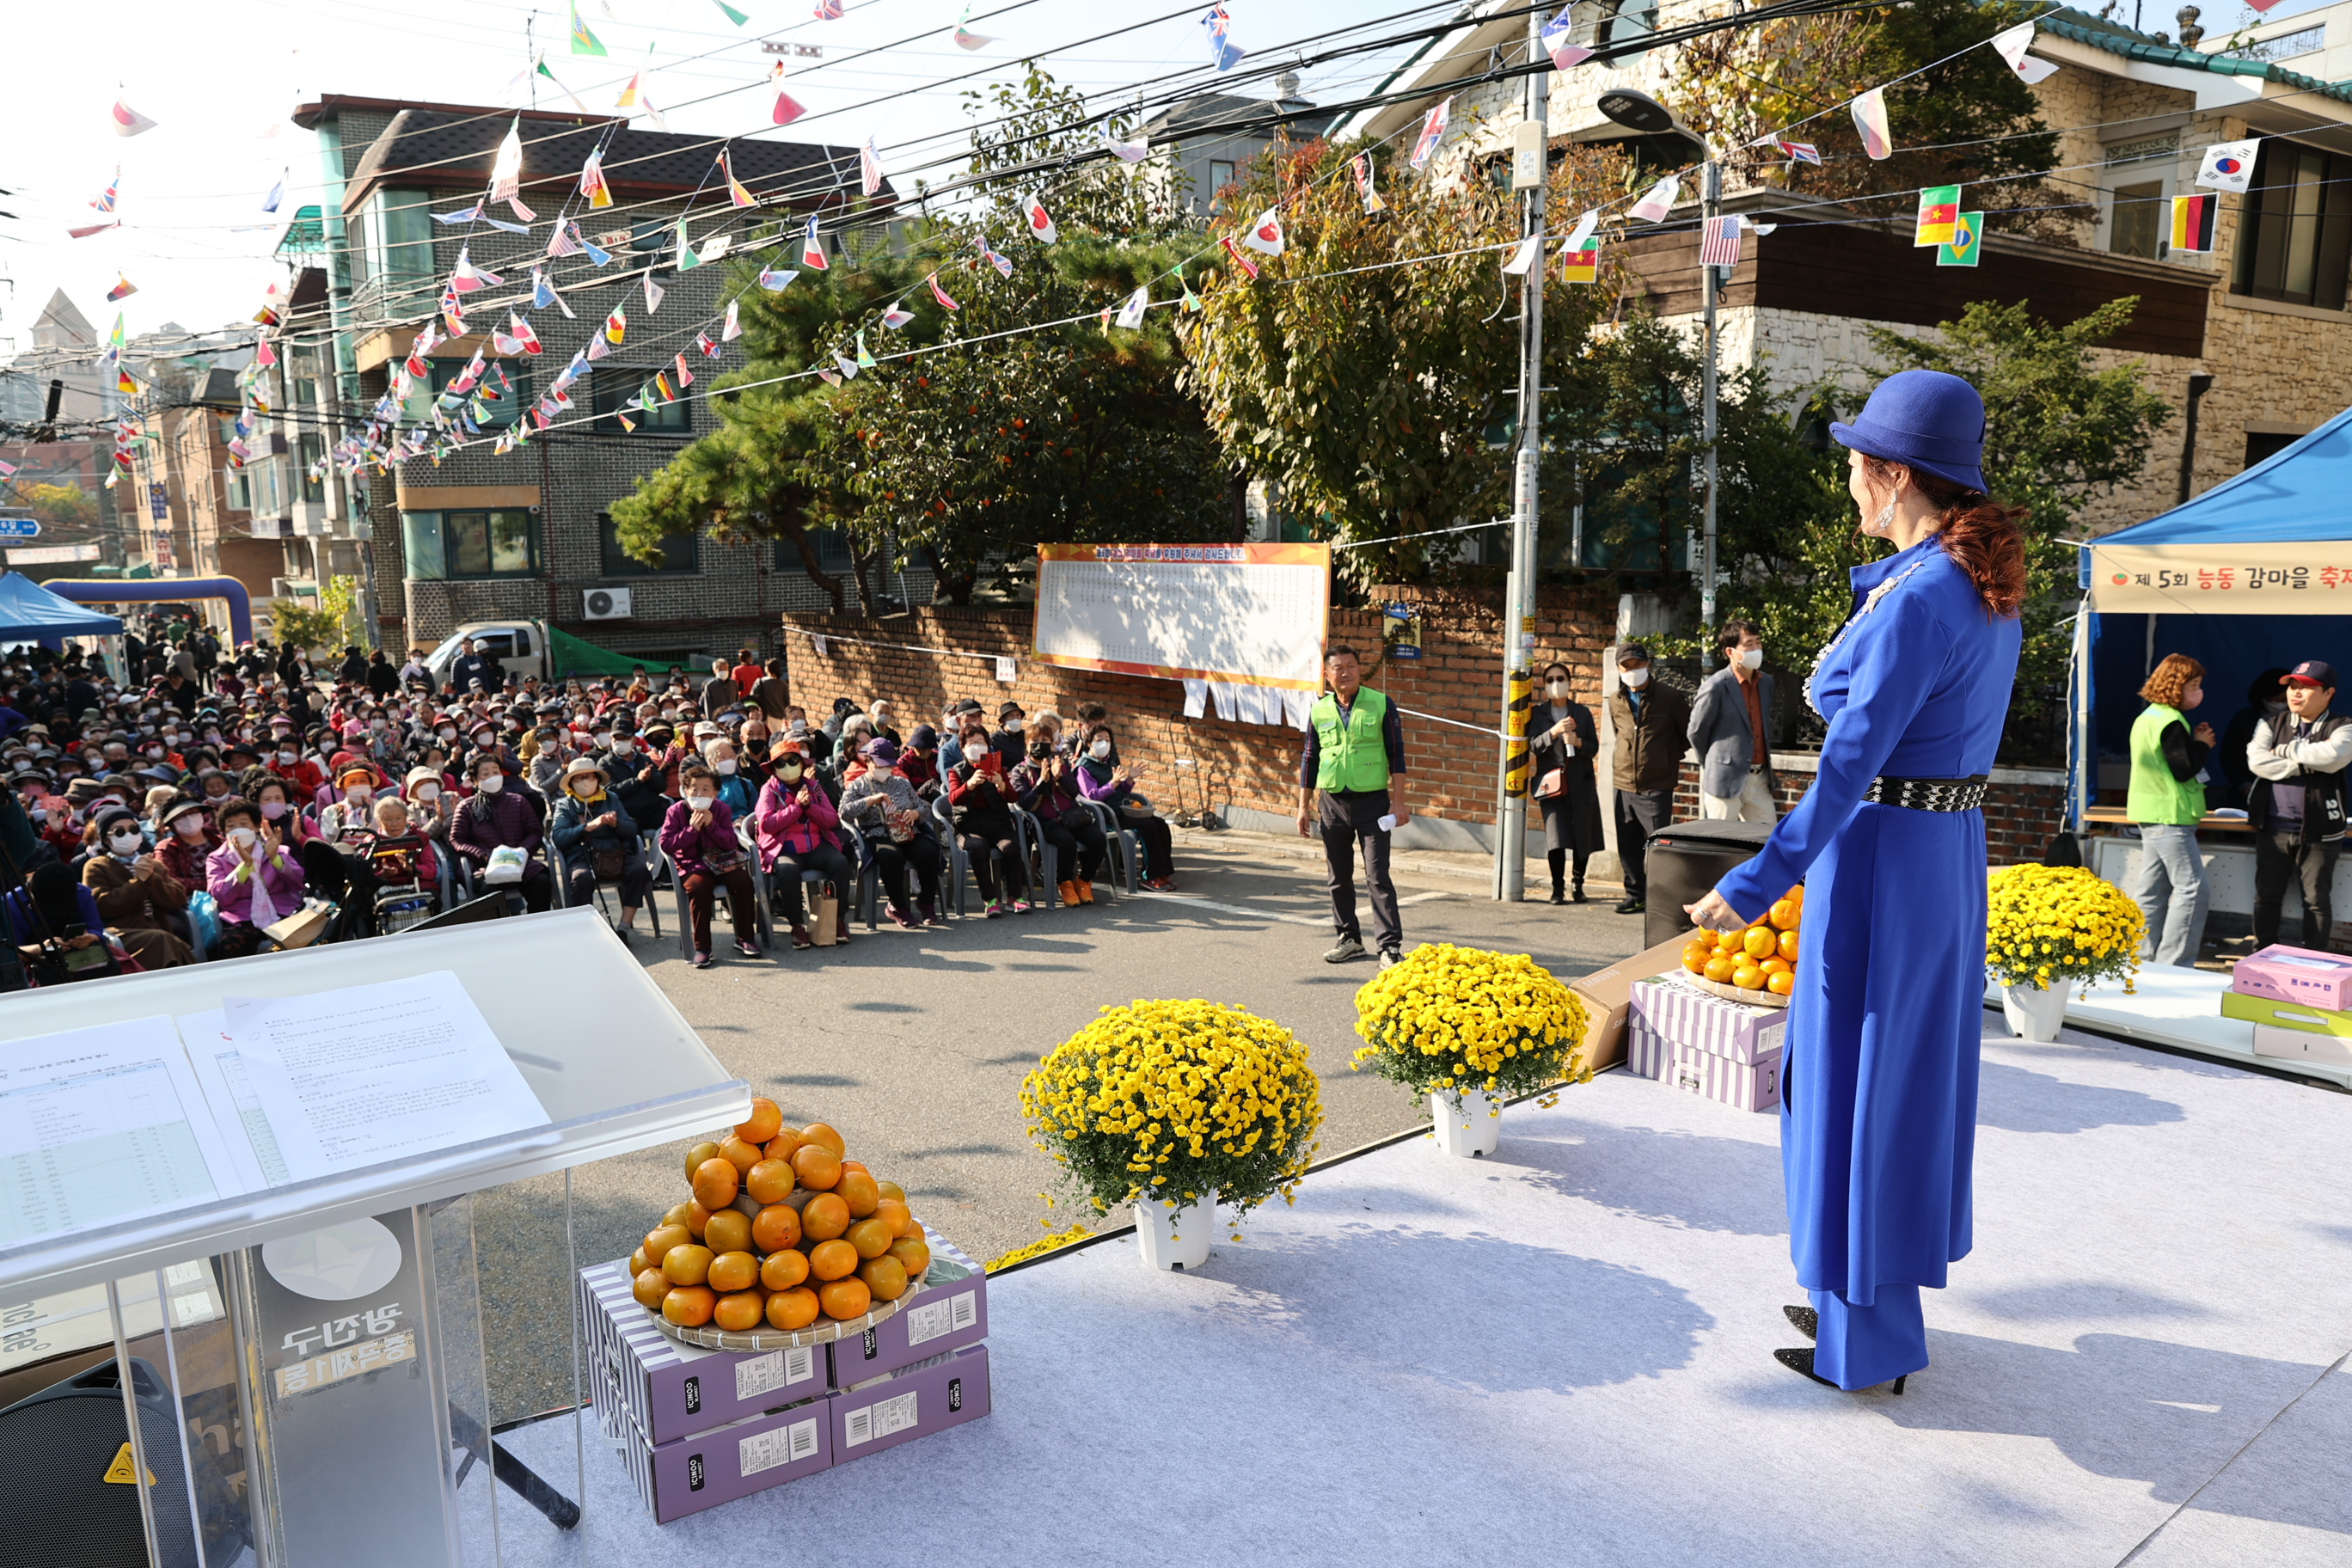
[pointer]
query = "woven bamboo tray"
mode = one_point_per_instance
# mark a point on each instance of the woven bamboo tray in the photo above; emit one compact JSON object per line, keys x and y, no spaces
{"x":1735,"y":993}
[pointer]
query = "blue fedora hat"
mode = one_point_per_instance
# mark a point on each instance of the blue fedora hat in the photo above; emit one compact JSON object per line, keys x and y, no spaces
{"x":1923,"y":419}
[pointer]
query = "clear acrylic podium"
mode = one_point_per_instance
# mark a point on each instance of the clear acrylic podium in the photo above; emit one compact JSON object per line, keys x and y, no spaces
{"x":304,"y":1373}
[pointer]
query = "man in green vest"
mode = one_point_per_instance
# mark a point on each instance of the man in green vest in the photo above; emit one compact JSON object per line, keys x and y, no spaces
{"x":1355,"y":744}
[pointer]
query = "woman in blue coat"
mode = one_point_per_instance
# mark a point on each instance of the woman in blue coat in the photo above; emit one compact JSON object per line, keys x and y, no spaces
{"x":1879,"y":1082}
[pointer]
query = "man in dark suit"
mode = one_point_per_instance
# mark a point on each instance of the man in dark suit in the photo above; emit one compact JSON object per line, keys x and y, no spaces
{"x":1649,"y":721}
{"x":1730,"y":727}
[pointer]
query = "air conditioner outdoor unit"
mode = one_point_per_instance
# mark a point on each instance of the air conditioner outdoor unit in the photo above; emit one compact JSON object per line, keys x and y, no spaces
{"x":604,"y":605}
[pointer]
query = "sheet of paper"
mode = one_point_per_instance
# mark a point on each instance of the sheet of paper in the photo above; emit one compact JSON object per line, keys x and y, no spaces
{"x":354,"y":1077}
{"x":1298,"y":708}
{"x":102,"y":1125}
{"x":1252,"y":702}
{"x":1196,"y":698}
{"x":229,"y":1091}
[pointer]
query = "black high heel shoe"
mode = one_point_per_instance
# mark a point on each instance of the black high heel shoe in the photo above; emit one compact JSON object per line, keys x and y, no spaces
{"x":1808,"y":1322}
{"x":1801,"y":1361}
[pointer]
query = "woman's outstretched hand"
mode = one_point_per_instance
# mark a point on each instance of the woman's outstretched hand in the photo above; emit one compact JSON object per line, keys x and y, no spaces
{"x":1713,"y":913}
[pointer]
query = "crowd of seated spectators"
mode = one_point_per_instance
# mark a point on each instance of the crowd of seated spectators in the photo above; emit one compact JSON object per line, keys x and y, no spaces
{"x":184,"y":808}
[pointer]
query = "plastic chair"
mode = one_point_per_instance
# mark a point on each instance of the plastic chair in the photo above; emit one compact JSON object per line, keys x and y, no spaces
{"x":648,"y":851}
{"x":1126,"y":848}
{"x":955,"y":870}
{"x":765,"y":912}
{"x":1040,"y":855}
{"x":686,"y":915}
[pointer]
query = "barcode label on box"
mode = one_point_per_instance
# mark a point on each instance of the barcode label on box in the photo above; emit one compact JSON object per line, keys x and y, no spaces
{"x":932,"y":1319}
{"x":1771,"y":1038}
{"x":784,"y":1446}
{"x":880,"y":1419}
{"x":777,"y":1369}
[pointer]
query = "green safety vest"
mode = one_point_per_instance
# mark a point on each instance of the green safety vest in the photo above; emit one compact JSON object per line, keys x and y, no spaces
{"x":2155,"y":796}
{"x":1351,"y":756}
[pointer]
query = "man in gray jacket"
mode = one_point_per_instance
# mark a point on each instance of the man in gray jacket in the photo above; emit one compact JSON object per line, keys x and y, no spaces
{"x":1728,"y":730}
{"x":2297,"y":809}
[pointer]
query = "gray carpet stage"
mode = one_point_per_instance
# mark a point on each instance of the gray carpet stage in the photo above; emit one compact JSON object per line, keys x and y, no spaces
{"x":1561,"y":1354}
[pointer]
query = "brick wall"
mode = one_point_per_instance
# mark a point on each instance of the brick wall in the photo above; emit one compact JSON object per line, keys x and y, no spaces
{"x":2022,"y":809}
{"x":1247,"y":772}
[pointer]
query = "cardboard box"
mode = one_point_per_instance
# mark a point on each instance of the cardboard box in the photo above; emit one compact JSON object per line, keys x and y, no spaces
{"x":1688,"y":1015}
{"x":669,"y":1390}
{"x":2281,"y":1014}
{"x":1608,"y":995}
{"x":2302,"y":1045}
{"x":729,"y":1462}
{"x":1749,"y":1085}
{"x":913,"y":1402}
{"x":2295,"y":975}
{"x":947,"y":1314}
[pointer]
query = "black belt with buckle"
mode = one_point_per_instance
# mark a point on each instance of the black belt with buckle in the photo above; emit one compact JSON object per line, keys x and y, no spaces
{"x":1927,"y":795}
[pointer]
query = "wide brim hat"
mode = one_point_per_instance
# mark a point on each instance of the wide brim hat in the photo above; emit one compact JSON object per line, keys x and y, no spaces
{"x":173,"y":814}
{"x":1924,"y":419}
{"x":584,"y":767}
{"x":418,"y":775}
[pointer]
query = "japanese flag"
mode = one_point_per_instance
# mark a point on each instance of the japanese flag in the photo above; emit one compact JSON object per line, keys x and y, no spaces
{"x":2010,"y":46}
{"x":2228,"y":165}
{"x":1265,"y":234}
{"x":129,"y":121}
{"x":1041,"y":222}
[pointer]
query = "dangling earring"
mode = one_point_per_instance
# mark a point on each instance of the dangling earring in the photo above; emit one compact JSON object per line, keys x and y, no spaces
{"x":1879,"y":524}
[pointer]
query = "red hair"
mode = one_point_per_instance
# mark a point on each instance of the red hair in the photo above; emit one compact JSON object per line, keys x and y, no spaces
{"x":1979,"y":533}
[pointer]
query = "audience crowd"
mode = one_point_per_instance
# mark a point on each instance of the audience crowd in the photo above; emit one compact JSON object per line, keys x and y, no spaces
{"x":184,"y":809}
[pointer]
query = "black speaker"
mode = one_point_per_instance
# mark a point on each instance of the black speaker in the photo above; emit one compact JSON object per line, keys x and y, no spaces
{"x":1684,"y":861}
{"x":58,"y":1509}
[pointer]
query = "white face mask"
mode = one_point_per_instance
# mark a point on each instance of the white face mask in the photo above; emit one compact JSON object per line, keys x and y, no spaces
{"x":1558,"y":688}
{"x":490,"y":784}
{"x":126,"y":845}
{"x":1636,"y":679}
{"x":428,"y":793}
{"x":359,"y":794}
{"x":244,"y":838}
{"x":700,"y":802}
{"x":449,"y":732}
{"x":1099,"y":750}
{"x":723,"y":766}
{"x":623,"y":746}
{"x":288,"y":755}
{"x":273,"y":809}
{"x":585,"y":788}
{"x":189,"y":827}
{"x":1752,"y":658}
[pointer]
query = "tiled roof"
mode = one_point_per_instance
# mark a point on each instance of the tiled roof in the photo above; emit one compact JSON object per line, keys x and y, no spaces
{"x":2117,"y":39}
{"x":449,"y":147}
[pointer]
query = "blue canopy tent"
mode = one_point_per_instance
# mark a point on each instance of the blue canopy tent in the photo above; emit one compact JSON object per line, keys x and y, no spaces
{"x":2254,"y":575}
{"x":30,"y":613}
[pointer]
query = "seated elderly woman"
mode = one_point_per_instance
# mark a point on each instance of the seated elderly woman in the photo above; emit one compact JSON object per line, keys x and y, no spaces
{"x":799,"y":830}
{"x":495,"y":817}
{"x":698,"y":836}
{"x":596,"y":839}
{"x":184,"y":839}
{"x":401,"y":855}
{"x":1103,"y":777}
{"x":856,"y":731}
{"x":1045,"y":784}
{"x":252,"y":880}
{"x":735,"y":787}
{"x":884,"y":809}
{"x":984,"y":817}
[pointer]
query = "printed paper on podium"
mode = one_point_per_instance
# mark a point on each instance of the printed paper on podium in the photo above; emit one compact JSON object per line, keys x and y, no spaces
{"x":358,"y":1077}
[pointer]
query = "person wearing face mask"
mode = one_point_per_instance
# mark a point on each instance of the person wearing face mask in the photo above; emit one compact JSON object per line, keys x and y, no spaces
{"x":737,"y":788}
{"x":698,"y":836}
{"x":301,"y":775}
{"x":978,"y":787}
{"x":494,"y":818}
{"x":1044,"y":785}
{"x":884,"y":809}
{"x":1103,"y":777}
{"x":634,"y":779}
{"x":1651,"y":721}
{"x":798,"y":830}
{"x":252,"y":880}
{"x":270,"y":797}
{"x":431,"y":806}
{"x":2265,"y":698}
{"x":1562,"y":740}
{"x":551,"y":754}
{"x":335,"y":860}
{"x":596,"y":840}
{"x":918,"y":764}
{"x":1730,"y":727}
{"x":135,"y":895}
{"x":185,"y":839}
{"x":352,"y":812}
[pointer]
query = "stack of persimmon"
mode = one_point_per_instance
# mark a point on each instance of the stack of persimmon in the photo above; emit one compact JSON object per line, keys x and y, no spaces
{"x":782,"y":1229}
{"x":1763,"y":957}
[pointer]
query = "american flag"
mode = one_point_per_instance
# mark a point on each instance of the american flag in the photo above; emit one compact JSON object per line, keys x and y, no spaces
{"x":1720,"y":246}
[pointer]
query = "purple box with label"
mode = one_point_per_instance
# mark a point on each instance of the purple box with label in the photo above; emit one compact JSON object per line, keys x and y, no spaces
{"x":728,"y":1462}
{"x":2286,"y":973}
{"x":913,"y":1402}
{"x":669,"y":1390}
{"x":947,"y":1314}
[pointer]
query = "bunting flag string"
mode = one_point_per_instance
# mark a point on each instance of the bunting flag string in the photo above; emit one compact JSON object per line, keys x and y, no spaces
{"x":1796,"y":152}
{"x":1556,"y":31}
{"x":828,"y":10}
{"x":865,"y":360}
{"x":1660,"y":200}
{"x":897,"y":316}
{"x":123,"y":288}
{"x":1244,"y":262}
{"x":775,"y":279}
{"x":104,"y":201}
{"x":1579,"y":259}
{"x":129,"y":121}
{"x":1719,"y":242}
{"x":869,"y":169}
{"x":1869,"y":113}
{"x":1217,"y":24}
{"x":941,"y":294}
{"x":1968,"y":238}
{"x":654,"y":292}
{"x":2229,"y":165}
{"x":732,"y":15}
{"x":1041,"y":222}
{"x":1940,"y":211}
{"x":737,"y":195}
{"x":1362,"y":167}
{"x":2192,"y":224}
{"x":583,"y":42}
{"x":1432,"y":131}
{"x":812,"y":248}
{"x":1520,"y":259}
{"x":277,"y":192}
{"x":2011,"y":44}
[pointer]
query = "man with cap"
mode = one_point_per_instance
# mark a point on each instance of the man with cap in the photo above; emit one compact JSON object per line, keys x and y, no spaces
{"x":2297,"y":809}
{"x":1651,"y":721}
{"x":1011,"y":740}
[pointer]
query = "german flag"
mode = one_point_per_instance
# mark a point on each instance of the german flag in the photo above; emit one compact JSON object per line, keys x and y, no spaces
{"x":2192,"y":223}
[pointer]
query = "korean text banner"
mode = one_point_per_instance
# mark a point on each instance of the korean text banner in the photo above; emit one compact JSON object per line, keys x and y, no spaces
{"x":2223,"y":579}
{"x":1254,"y":613}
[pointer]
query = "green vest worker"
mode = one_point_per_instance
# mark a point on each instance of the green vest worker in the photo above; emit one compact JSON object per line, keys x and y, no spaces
{"x":1354,"y":745}
{"x":2169,"y":883}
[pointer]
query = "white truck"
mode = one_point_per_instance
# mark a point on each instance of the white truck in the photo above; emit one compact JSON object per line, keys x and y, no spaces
{"x":520,"y":645}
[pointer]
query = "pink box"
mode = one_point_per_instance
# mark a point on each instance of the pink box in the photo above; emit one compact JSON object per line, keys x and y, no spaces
{"x":669,"y":1390}
{"x":2295,"y":975}
{"x":947,"y":1314}
{"x":913,"y":1402}
{"x":1749,"y":1085}
{"x":1681,"y":1012}
{"x":729,"y":1462}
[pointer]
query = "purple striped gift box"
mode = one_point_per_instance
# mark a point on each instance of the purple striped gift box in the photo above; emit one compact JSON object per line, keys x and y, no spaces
{"x":1690,"y":1016}
{"x":1749,"y":1085}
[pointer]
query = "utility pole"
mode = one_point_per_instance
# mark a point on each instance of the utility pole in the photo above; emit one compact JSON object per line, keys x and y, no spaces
{"x":1710,"y":198}
{"x":1530,"y":168}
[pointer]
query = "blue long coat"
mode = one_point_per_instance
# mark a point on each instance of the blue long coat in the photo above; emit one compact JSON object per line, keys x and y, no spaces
{"x":1879,"y":1082}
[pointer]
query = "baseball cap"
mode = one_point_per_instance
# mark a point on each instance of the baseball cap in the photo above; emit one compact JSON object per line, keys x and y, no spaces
{"x":2312,"y":672}
{"x":1633,"y":651}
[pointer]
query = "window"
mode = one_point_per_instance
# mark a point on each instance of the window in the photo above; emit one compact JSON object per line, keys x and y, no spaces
{"x":1617,"y":21}
{"x":240,"y":489}
{"x":615,"y":385}
{"x":2262,"y":446}
{"x":2136,"y":219}
{"x":2295,"y":235}
{"x":308,"y":452}
{"x":441,"y":546}
{"x":680,"y":552}
{"x":511,"y":382}
{"x":396,"y":236}
{"x":306,"y":377}
{"x":832,"y":551}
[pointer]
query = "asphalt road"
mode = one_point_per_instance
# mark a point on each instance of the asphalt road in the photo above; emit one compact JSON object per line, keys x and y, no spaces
{"x":914,"y":1045}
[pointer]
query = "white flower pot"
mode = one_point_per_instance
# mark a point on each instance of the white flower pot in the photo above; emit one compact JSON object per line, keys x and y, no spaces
{"x":1468,"y":1122}
{"x":1175,"y":1236}
{"x":2034,"y":1014}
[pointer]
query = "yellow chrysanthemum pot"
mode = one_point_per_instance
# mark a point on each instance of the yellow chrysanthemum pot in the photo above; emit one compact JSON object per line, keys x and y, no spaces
{"x":2049,"y":927}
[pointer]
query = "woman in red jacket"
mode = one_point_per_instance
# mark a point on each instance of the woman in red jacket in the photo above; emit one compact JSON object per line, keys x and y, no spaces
{"x":798,"y":831}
